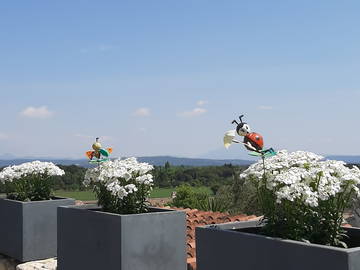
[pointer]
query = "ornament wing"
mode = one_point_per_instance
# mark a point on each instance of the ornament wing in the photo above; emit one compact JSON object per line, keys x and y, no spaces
{"x":90,"y":154}
{"x":228,"y":138}
{"x":269,"y":152}
{"x":104,"y":152}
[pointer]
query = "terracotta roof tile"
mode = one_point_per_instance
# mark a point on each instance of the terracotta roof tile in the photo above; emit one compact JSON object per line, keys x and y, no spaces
{"x":191,"y":264}
{"x":79,"y":202}
{"x":195,"y":218}
{"x":253,"y":217}
{"x":191,"y":244}
{"x":189,"y":237}
{"x":228,"y":219}
{"x":191,"y":253}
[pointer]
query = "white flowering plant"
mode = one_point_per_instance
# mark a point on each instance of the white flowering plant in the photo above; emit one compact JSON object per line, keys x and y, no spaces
{"x":30,"y":181}
{"x":121,"y":186}
{"x":303,"y":197}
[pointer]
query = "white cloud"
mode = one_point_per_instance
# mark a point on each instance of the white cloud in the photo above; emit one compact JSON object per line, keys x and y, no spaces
{"x":194,"y":112}
{"x":36,"y":112}
{"x":142,"y":112}
{"x":264,"y":107}
{"x":202,"y":102}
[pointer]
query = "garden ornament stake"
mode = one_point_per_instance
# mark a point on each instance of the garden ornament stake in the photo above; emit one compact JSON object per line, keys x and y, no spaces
{"x":99,"y":154}
{"x":253,"y":141}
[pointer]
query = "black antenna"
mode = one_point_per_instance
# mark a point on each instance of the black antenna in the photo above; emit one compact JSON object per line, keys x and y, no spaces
{"x":234,"y":122}
{"x":241,"y":116}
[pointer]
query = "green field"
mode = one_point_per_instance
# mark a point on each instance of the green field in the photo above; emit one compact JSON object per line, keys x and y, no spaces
{"x":90,"y":196}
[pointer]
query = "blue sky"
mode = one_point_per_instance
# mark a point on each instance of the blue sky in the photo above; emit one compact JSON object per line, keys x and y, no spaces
{"x":168,"y":77}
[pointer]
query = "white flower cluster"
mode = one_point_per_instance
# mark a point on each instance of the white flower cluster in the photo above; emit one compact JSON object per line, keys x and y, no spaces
{"x":145,"y":179}
{"x":39,"y":168}
{"x":120,"y":177}
{"x":304,"y":175}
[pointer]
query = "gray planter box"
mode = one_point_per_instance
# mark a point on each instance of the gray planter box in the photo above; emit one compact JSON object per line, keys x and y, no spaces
{"x":221,"y":247}
{"x":28,"y":230}
{"x":91,"y":239}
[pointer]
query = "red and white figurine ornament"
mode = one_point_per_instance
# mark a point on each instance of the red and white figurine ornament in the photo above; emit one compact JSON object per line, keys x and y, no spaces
{"x":253,"y":141}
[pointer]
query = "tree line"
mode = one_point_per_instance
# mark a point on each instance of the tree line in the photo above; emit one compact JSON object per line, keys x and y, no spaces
{"x":164,"y":176}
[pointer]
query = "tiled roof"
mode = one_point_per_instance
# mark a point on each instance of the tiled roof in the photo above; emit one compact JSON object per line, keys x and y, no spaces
{"x":195,"y":218}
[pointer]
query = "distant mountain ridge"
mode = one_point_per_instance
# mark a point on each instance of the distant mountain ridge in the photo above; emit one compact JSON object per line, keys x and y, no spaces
{"x":154,"y":160}
{"x":161,"y":160}
{"x":347,"y":159}
{"x":198,"y":162}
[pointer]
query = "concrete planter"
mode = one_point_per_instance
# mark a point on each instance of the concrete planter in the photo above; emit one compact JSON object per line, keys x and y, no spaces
{"x":91,"y":239}
{"x":28,"y":230}
{"x":222,"y":247}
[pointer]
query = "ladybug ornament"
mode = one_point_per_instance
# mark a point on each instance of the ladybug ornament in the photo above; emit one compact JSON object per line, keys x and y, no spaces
{"x":255,"y":140}
{"x":252,"y":141}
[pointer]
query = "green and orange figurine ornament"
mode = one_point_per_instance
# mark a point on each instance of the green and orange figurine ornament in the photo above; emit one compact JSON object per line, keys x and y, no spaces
{"x":98,"y":154}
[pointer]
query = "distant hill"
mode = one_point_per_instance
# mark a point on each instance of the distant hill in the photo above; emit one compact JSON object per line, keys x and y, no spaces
{"x":236,"y":152}
{"x":161,"y":160}
{"x":198,"y":162}
{"x":347,"y":159}
{"x":17,"y":161}
{"x":154,"y":160}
